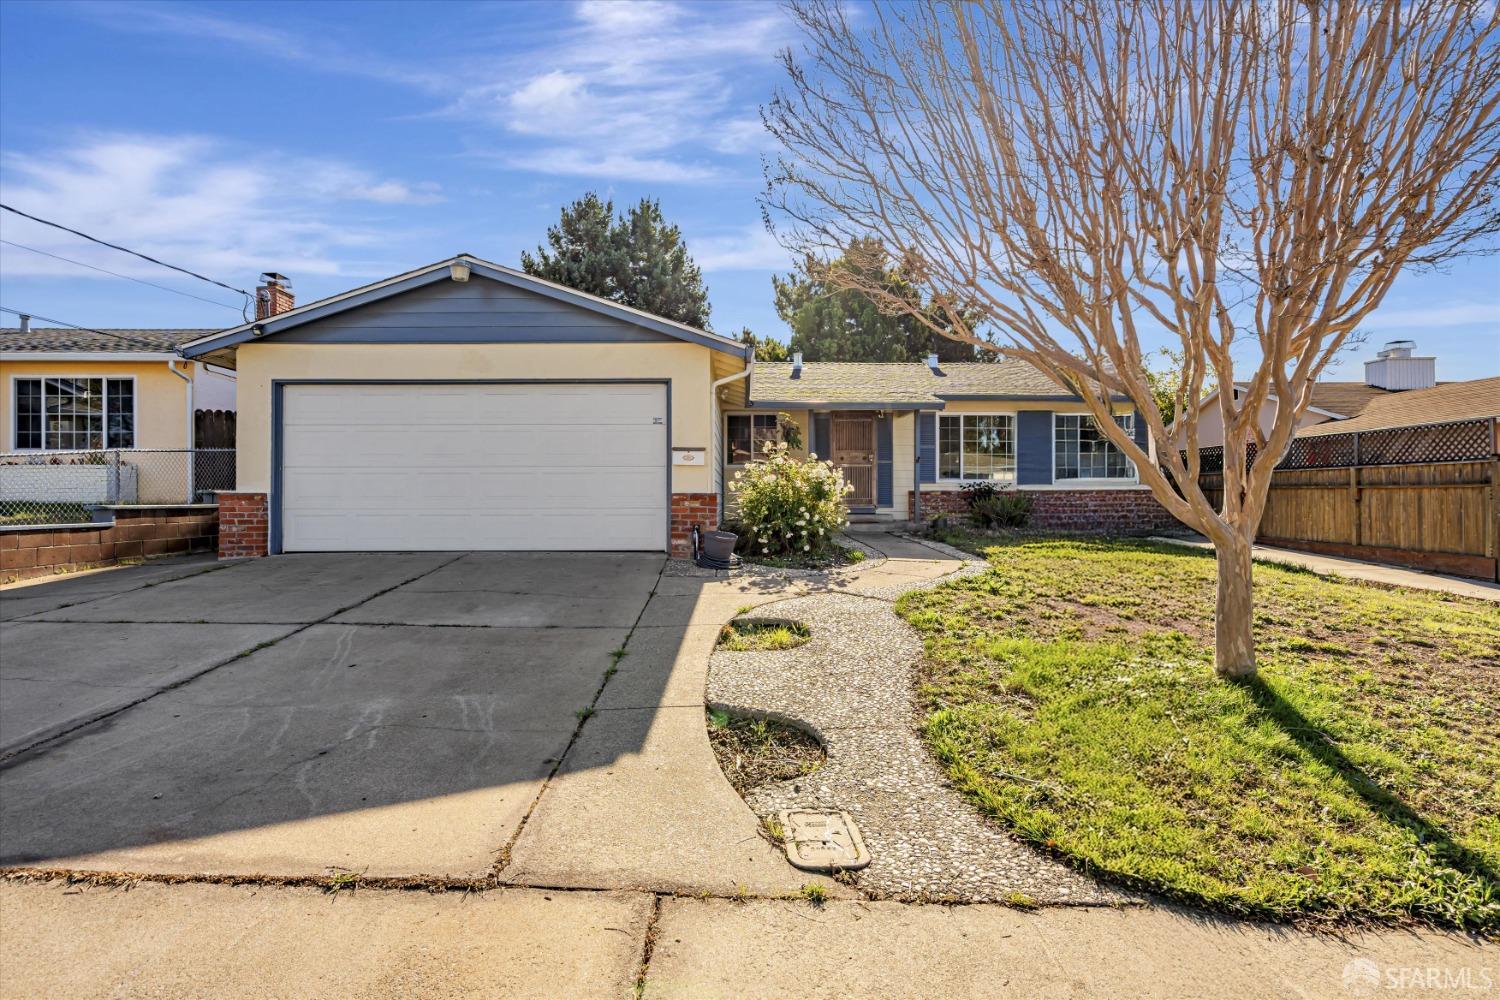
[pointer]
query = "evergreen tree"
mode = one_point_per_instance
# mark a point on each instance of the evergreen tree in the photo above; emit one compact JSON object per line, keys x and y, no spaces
{"x":831,"y":322}
{"x":637,"y":260}
{"x":766,"y":348}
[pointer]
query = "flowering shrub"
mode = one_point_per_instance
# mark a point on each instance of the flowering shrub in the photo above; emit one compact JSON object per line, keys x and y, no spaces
{"x":789,"y":506}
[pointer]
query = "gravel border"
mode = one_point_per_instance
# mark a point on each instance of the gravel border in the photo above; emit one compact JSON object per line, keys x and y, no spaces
{"x":851,"y":685}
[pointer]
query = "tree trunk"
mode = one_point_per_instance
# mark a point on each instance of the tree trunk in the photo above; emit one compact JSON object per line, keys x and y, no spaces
{"x":1234,"y":640}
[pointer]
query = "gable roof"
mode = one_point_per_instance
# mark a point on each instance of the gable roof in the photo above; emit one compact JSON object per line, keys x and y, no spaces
{"x":226,"y":340}
{"x":1451,"y":401}
{"x":897,"y":385}
{"x":105,"y":340}
{"x":1347,"y":399}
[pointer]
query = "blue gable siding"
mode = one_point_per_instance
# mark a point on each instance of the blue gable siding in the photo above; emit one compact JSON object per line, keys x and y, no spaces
{"x":1034,"y":447}
{"x":927,"y":447}
{"x":884,"y":454}
{"x":477,"y":311}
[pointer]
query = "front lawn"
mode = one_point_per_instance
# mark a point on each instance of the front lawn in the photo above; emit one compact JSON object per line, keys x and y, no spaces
{"x":1070,"y":693}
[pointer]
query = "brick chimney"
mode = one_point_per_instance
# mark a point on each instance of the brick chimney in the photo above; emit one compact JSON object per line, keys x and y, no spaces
{"x":273,"y":295}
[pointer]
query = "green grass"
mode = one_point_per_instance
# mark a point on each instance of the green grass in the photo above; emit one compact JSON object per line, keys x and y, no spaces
{"x":1070,"y":693}
{"x":35,"y":512}
{"x":762,"y":636}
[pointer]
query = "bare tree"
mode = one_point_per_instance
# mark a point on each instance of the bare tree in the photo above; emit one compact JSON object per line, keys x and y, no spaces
{"x":1246,"y":176}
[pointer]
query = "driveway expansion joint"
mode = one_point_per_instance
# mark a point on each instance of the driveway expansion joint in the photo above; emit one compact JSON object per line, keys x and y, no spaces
{"x":19,"y":754}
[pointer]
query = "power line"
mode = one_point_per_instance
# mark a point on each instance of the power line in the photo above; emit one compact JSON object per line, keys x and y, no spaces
{"x":116,"y":246}
{"x":154,"y":348}
{"x":113,"y":274}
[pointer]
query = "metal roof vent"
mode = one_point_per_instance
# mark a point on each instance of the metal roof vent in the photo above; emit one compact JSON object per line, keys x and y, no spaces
{"x":797,"y":365}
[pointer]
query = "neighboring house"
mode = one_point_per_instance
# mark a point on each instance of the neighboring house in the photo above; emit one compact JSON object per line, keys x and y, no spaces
{"x":1393,"y":371}
{"x":1450,"y":402}
{"x":63,"y":389}
{"x":466,"y":405}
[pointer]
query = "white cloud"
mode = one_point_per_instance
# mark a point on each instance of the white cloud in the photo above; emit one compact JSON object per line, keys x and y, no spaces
{"x":650,"y":83}
{"x":749,"y":249}
{"x":198,"y":203}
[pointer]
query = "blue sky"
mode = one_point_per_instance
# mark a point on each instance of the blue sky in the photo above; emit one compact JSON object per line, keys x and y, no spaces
{"x":340,"y":143}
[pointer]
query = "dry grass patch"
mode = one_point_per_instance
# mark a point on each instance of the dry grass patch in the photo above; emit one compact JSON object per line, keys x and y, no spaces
{"x":751,"y":635}
{"x":753,"y":751}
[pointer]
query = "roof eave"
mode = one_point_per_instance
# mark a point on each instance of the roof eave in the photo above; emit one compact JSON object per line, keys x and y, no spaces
{"x":438,"y":272}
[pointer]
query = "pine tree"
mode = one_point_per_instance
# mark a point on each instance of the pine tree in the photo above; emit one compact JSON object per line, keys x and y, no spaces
{"x":637,"y":260}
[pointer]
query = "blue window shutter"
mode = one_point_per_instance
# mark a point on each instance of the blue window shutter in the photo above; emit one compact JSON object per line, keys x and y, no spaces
{"x":1034,"y":447}
{"x":927,"y":447}
{"x":1140,"y":431}
{"x":822,"y":435}
{"x":883,"y":457}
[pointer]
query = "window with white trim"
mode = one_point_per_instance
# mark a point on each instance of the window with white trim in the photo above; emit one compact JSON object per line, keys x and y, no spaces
{"x":977,"y":446}
{"x":748,"y":435}
{"x":1083,"y":452}
{"x":72,"y":414}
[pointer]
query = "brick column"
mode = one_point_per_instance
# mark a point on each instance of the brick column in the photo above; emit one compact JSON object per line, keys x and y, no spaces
{"x":244,"y":525}
{"x":689,"y":509}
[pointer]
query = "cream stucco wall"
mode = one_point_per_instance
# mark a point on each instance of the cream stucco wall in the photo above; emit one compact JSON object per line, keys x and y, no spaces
{"x":160,"y":396}
{"x":1211,"y":423}
{"x":687,"y":366}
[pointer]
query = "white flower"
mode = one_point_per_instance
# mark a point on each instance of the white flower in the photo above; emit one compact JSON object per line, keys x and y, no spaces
{"x":807,"y":548}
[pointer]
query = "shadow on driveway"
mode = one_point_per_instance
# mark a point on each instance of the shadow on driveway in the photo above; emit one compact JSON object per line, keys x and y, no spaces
{"x":389,"y":713}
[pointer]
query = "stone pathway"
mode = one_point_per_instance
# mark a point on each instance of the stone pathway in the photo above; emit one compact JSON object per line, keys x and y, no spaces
{"x":851,"y":684}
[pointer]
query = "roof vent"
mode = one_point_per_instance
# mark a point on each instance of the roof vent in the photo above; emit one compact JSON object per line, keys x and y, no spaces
{"x":932,"y":361}
{"x":1395,"y":368}
{"x":25,"y":322}
{"x":797,"y":365}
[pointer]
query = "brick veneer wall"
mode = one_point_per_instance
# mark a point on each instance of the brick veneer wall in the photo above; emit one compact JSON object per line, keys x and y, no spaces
{"x":244,"y":525}
{"x":689,"y":509}
{"x":1113,"y":511}
{"x":135,"y":533}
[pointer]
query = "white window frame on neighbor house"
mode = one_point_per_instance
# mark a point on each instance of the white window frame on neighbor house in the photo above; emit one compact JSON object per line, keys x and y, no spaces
{"x":963,"y":476}
{"x":15,"y":410}
{"x":1131,"y":475}
{"x":775,"y":419}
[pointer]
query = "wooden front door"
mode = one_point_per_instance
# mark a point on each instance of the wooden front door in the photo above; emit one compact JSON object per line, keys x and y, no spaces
{"x":853,"y":452}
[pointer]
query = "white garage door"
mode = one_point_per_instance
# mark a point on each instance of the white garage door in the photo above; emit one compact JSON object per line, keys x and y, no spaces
{"x":400,"y":467}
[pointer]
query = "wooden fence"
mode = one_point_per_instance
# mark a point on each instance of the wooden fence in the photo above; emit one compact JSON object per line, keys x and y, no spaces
{"x":1426,"y":497}
{"x":213,"y":428}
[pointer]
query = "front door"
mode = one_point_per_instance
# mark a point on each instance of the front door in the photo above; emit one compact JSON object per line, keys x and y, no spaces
{"x":854,"y":453}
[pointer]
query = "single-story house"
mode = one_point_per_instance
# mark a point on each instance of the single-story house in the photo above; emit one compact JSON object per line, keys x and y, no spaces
{"x":1394,"y":370}
{"x":66,"y":393}
{"x":467,"y":405}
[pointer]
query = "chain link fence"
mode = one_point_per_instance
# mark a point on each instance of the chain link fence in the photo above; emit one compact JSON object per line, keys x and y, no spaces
{"x":65,"y":487}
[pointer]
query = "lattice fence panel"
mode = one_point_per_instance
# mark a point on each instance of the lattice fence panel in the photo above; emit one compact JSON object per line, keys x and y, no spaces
{"x":1460,"y":442}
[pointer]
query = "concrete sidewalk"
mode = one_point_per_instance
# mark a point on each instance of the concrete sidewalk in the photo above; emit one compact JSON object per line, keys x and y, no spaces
{"x":1358,"y":569}
{"x":257,"y":941}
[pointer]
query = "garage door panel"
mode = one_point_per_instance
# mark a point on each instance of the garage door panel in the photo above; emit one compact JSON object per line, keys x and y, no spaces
{"x":539,"y":467}
{"x":443,"y":446}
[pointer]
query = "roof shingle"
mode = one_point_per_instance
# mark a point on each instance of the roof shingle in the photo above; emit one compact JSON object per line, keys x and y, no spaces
{"x":1476,"y":399}
{"x":57,"y":339}
{"x":909,"y":382}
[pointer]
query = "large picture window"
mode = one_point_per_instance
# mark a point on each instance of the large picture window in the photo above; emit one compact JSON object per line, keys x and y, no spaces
{"x":73,"y":414}
{"x":749,"y":434}
{"x":977,"y":446}
{"x":1085,"y":453}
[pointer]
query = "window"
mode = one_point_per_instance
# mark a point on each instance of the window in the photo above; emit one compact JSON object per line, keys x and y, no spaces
{"x":71,"y":414}
{"x":748,"y":434}
{"x":1084,"y":453}
{"x":976,"y":446}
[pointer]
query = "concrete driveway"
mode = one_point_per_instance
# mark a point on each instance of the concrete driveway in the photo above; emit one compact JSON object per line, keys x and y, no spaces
{"x":391,"y":714}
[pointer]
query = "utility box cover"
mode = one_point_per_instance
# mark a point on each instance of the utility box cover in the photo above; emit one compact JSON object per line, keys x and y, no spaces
{"x":823,"y":841}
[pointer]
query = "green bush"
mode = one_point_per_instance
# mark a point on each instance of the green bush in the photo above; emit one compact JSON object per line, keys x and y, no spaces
{"x":787,"y":505}
{"x":991,"y":506}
